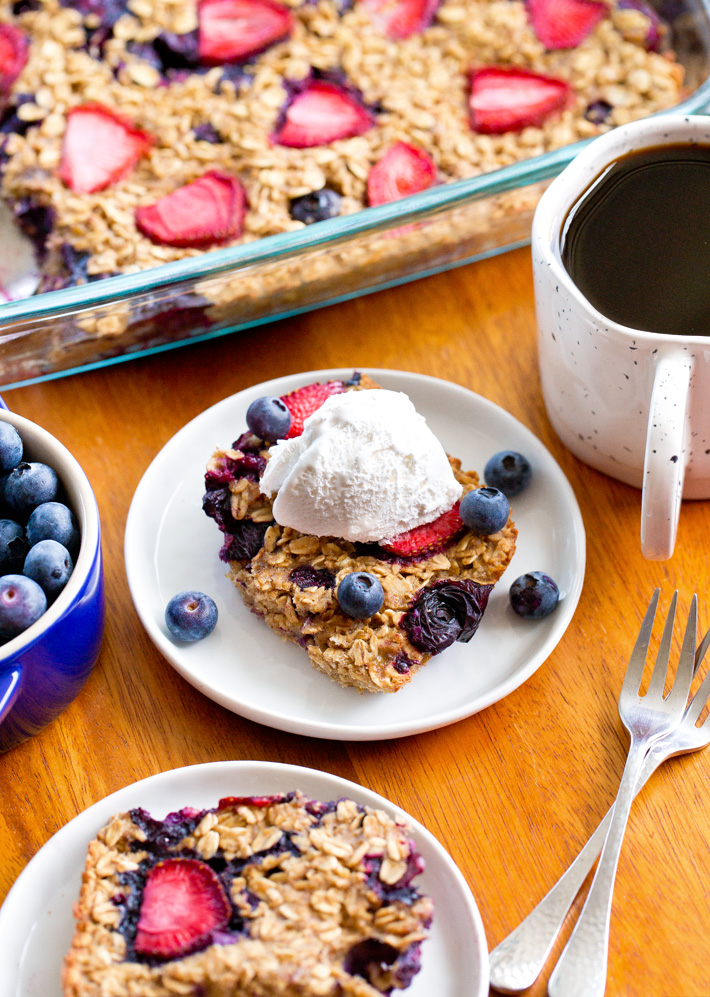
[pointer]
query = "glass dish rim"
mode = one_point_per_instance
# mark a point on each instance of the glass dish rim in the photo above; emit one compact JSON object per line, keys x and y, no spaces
{"x":274,"y":248}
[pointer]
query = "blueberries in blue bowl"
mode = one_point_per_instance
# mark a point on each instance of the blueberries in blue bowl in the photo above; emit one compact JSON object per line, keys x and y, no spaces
{"x":11,"y":448}
{"x":54,"y":521}
{"x":191,"y":616}
{"x":49,"y":564}
{"x":13,"y":547}
{"x":28,"y":485}
{"x":22,"y":602}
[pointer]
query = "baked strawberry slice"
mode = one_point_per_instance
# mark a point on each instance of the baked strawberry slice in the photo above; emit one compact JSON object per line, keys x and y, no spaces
{"x":234,"y":30}
{"x":208,"y":211}
{"x":404,"y":169}
{"x":304,"y":401}
{"x":505,"y":99}
{"x":100,"y":148}
{"x":428,"y":538}
{"x":402,"y":18}
{"x":14,"y":46}
{"x":564,"y":23}
{"x":318,"y":112}
{"x":183,"y":903}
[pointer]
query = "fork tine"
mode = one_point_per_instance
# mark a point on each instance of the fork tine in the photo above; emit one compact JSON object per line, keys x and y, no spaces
{"x":686,"y":663}
{"x":634,"y":669}
{"x":702,"y":649}
{"x":699,"y":700}
{"x":660,"y":669}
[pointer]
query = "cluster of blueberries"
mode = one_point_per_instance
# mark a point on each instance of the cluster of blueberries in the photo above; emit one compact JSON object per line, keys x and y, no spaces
{"x":39,"y":537}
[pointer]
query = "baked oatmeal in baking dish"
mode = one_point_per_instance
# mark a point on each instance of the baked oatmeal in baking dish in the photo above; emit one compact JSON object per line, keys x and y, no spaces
{"x":349,"y":535}
{"x":137,"y":132}
{"x":271,"y":896}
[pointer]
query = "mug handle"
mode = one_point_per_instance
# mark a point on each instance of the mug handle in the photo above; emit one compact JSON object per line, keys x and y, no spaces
{"x":666,"y":456}
{"x":9,"y":688}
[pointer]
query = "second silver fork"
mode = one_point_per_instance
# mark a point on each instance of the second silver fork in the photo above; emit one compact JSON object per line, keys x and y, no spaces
{"x":516,"y":962}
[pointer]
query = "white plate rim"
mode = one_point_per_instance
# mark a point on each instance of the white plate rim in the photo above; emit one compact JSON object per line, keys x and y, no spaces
{"x":135,"y":563}
{"x":60,"y":861}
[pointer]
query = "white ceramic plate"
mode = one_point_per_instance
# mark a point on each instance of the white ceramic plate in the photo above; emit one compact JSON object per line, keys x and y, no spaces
{"x":172,"y":546}
{"x":36,"y":923}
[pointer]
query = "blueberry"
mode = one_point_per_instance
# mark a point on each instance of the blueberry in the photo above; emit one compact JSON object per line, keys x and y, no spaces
{"x":10,"y":447}
{"x":315,"y":206}
{"x":28,"y":485}
{"x":191,"y":616}
{"x":360,"y":595}
{"x":53,"y":521}
{"x":49,"y":564}
{"x":13,"y":547}
{"x":534,"y":595}
{"x":269,"y":418}
{"x":22,"y":601}
{"x":508,"y":471}
{"x":598,"y":111}
{"x":485,"y":510}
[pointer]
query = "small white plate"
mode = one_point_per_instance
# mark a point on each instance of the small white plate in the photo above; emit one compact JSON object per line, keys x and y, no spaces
{"x":172,"y":546}
{"x":36,"y":922}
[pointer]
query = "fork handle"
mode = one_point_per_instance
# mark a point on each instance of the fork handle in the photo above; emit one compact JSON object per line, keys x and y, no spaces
{"x":581,"y":970}
{"x":517,"y":961}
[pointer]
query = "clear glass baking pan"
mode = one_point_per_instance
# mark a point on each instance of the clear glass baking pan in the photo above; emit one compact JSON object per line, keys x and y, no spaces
{"x":61,"y":332}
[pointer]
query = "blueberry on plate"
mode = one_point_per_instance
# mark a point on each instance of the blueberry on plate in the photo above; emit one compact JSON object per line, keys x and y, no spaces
{"x":54,"y":521}
{"x":191,"y":616}
{"x":534,"y":595}
{"x":268,"y":417}
{"x":315,"y":206}
{"x":22,"y":602}
{"x":10,"y":447}
{"x":360,"y":595}
{"x":509,"y":471}
{"x":49,"y":564}
{"x":484,"y":510}
{"x":13,"y":547}
{"x":28,"y":485}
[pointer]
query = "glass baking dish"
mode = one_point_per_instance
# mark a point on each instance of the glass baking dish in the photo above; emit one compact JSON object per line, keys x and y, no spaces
{"x":61,"y":332}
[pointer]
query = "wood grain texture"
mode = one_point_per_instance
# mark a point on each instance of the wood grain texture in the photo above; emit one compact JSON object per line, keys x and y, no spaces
{"x":512,"y":792}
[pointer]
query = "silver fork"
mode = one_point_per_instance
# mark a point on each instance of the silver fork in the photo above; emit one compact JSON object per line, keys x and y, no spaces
{"x":582,"y":967}
{"x":517,"y":961}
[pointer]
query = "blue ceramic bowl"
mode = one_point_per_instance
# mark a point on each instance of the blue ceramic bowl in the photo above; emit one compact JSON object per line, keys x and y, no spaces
{"x":43,"y":669}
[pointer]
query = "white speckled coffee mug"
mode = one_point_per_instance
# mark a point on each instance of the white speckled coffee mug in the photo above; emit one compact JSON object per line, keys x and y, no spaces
{"x":631,"y":403}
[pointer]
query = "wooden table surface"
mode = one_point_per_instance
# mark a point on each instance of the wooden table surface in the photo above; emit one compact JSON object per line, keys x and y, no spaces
{"x":512,"y":792}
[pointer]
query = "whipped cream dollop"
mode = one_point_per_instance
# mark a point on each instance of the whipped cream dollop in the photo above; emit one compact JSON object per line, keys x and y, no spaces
{"x":366,"y":468}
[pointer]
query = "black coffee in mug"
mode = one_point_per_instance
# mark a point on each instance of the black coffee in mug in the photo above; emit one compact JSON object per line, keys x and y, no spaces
{"x":637,"y":243}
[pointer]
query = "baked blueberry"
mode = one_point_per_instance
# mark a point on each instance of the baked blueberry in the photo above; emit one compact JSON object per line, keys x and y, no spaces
{"x":22,"y":602}
{"x":315,"y":206}
{"x":534,"y":595}
{"x":54,"y":521}
{"x":484,"y":510}
{"x":509,"y":471}
{"x":269,"y":418}
{"x":191,"y":616}
{"x":360,"y":595}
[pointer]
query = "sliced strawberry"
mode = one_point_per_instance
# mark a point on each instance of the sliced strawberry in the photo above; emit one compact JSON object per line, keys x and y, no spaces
{"x":402,"y":18}
{"x":183,"y":903}
{"x":429,"y":538}
{"x":403,"y":170}
{"x":234,"y":30}
{"x":321,"y":111}
{"x":304,"y":401}
{"x":564,"y":23}
{"x":207,"y":211}
{"x":100,"y":148}
{"x":508,"y":99}
{"x":14,"y":46}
